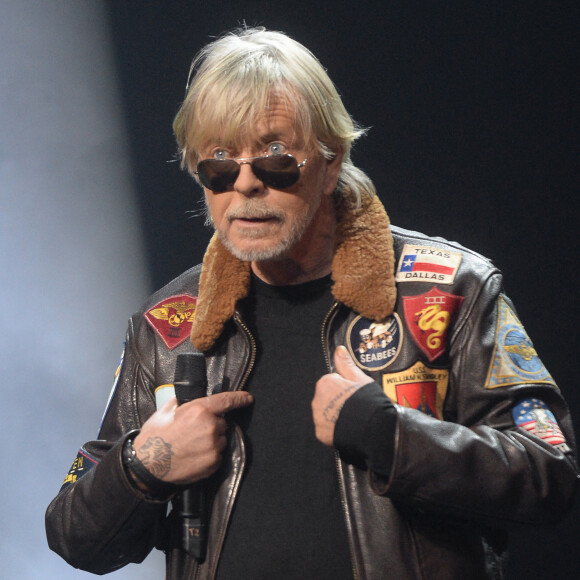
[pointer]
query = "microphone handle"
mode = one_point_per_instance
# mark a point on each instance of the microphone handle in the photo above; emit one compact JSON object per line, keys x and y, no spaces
{"x":193,"y":522}
{"x":191,"y":383}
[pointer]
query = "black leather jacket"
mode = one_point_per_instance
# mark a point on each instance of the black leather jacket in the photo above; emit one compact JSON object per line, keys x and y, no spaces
{"x":465,"y":467}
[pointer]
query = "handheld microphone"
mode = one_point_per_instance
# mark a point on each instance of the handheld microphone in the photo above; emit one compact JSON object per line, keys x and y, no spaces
{"x":190,"y":383}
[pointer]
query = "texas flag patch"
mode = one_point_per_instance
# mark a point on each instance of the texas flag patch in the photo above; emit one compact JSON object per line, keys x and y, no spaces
{"x":427,"y":264}
{"x":172,"y":319}
{"x":534,"y":416}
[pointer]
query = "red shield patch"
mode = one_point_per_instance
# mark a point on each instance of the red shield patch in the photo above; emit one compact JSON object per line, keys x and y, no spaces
{"x":428,"y":317}
{"x":420,"y":396}
{"x":172,"y":319}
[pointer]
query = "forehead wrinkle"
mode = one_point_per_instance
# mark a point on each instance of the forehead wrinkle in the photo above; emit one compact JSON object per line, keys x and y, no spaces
{"x":280,"y":122}
{"x":243,"y":123}
{"x":256,"y":135}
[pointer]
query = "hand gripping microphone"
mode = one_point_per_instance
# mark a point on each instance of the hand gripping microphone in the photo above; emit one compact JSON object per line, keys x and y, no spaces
{"x":190,"y":383}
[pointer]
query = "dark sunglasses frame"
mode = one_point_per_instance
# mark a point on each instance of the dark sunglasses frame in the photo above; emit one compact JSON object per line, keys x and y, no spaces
{"x":278,"y":171}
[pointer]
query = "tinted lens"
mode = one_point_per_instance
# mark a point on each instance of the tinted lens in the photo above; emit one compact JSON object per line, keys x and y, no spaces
{"x":279,"y":171}
{"x":219,"y":175}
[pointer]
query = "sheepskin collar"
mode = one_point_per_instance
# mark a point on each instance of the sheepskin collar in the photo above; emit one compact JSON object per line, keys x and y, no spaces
{"x":362,"y":272}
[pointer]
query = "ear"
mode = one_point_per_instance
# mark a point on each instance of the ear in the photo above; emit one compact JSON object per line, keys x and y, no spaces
{"x":332,"y":171}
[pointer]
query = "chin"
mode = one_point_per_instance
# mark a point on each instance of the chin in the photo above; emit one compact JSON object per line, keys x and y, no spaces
{"x":267,"y":245}
{"x":259,"y":252}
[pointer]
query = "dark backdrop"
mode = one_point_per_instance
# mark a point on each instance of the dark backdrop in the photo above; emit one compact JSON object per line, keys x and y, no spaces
{"x":473,"y":114}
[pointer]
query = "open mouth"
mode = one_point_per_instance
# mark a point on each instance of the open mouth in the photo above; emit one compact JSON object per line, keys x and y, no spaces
{"x":255,"y":220}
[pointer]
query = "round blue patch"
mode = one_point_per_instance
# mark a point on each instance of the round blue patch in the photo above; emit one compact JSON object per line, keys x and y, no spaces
{"x":375,"y":345}
{"x":520,"y":350}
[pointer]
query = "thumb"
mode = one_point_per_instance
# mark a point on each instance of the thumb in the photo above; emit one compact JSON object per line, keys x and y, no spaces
{"x":347,"y":368}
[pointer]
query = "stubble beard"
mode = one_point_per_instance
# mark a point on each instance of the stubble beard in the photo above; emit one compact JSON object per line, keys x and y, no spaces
{"x":281,"y":248}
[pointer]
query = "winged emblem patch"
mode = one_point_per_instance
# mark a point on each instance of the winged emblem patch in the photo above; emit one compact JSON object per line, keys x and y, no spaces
{"x":172,"y":318}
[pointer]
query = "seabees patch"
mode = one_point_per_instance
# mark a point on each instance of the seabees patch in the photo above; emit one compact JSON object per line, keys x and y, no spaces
{"x":418,"y":387}
{"x":375,"y":345}
{"x":514,"y":360}
{"x":534,"y":416}
{"x":83,"y":463}
{"x":172,"y":319}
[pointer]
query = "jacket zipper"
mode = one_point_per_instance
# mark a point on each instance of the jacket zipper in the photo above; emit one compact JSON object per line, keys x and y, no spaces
{"x":240,"y":322}
{"x":341,"y":483}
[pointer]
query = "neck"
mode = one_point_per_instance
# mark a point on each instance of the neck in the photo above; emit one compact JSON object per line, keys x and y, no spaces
{"x":310,"y":259}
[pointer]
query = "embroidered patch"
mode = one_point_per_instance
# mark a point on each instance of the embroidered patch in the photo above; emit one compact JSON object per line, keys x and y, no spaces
{"x":115,"y":383}
{"x":163,"y":393}
{"x":428,"y":317}
{"x":427,"y":264}
{"x":418,"y":387}
{"x":534,"y":416}
{"x":82,"y":464}
{"x":514,"y":360}
{"x":375,"y":345}
{"x":172,"y":319}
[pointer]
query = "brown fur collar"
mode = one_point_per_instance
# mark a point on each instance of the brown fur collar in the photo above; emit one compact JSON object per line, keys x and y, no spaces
{"x":362,"y":272}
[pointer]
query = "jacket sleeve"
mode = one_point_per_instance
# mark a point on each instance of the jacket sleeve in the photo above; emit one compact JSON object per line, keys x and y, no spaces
{"x":99,"y":522}
{"x":481,"y":462}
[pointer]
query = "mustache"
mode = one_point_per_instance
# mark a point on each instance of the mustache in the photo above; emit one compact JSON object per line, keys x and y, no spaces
{"x":253,"y":209}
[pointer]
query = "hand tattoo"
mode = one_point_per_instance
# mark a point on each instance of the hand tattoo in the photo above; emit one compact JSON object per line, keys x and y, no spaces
{"x":335,"y":405}
{"x":156,"y":456}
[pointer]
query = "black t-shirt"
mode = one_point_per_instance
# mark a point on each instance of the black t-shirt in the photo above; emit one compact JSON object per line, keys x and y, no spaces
{"x":288,"y":520}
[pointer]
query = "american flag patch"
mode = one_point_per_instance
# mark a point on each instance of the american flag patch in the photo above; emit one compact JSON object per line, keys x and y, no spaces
{"x":534,"y":416}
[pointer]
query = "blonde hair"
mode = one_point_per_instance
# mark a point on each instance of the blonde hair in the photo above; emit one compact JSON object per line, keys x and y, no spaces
{"x":233,"y":80}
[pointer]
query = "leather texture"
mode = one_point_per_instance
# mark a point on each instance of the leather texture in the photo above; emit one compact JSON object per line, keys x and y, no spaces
{"x":457,"y":485}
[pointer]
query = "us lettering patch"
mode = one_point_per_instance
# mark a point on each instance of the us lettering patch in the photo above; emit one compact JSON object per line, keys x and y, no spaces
{"x":427,"y":264}
{"x":514,"y":360}
{"x":375,"y":345}
{"x":534,"y":416}
{"x":81,"y":465}
{"x":428,"y":317}
{"x":172,"y":319}
{"x":419,"y":387}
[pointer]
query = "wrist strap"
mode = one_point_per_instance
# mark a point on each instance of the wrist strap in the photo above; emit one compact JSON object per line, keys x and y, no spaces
{"x":156,"y":488}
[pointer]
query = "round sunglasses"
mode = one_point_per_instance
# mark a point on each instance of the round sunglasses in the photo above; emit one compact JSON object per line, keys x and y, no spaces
{"x":278,"y":171}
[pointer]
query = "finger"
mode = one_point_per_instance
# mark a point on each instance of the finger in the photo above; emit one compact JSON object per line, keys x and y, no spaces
{"x":347,"y":368}
{"x":224,"y":402}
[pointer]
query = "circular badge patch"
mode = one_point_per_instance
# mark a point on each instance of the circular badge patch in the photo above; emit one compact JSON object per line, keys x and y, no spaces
{"x":520,"y":350}
{"x":375,"y":345}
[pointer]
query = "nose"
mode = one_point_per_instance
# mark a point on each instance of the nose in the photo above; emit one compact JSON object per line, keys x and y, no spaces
{"x":247,"y":183}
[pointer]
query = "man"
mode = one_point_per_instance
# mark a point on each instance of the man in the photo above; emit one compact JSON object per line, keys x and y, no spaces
{"x":375,"y":408}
